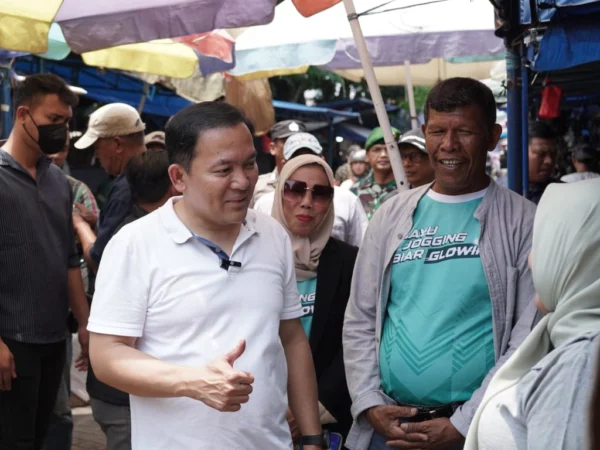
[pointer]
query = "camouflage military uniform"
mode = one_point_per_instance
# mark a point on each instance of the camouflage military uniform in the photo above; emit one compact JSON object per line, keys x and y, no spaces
{"x":371,"y":194}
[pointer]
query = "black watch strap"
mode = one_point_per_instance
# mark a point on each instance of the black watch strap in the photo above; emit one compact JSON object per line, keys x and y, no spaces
{"x":315,"y":439}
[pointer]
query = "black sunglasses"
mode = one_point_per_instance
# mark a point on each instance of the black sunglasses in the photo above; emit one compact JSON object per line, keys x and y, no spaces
{"x":297,"y":189}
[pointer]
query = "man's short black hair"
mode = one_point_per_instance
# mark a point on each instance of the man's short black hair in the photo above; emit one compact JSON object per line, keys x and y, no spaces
{"x":148,"y":176}
{"x":453,"y":93}
{"x":542,"y":130}
{"x":185,"y":128}
{"x":31,"y":90}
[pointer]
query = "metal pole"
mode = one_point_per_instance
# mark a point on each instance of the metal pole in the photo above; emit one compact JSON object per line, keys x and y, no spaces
{"x":410,"y":93}
{"x":5,"y":104}
{"x":513,"y":66}
{"x":524,"y":122}
{"x":384,"y":121}
{"x":332,"y":143}
{"x":144,"y":97}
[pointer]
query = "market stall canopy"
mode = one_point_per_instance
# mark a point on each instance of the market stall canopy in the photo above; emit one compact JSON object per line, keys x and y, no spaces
{"x":451,"y":30}
{"x":572,"y":38}
{"x":95,"y":25}
{"x":544,"y":11}
{"x":161,"y":37}
{"x":108,"y":86}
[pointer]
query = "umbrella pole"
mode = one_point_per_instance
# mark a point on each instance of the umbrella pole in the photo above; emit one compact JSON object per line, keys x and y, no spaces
{"x":382,"y":117}
{"x":410,"y":93}
{"x":5,"y":104}
{"x":144,"y":97}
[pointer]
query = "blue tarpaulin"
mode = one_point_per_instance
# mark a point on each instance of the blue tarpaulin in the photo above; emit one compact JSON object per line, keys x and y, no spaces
{"x":107,"y":86}
{"x":545,"y":10}
{"x":352,"y":132}
{"x":289,"y":110}
{"x":567,"y":44}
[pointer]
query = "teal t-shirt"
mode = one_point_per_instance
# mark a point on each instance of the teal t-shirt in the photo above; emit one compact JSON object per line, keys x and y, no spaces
{"x":307,"y":290}
{"x":437,"y":343}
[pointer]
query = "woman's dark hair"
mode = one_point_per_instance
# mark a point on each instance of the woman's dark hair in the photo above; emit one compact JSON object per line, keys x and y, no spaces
{"x":453,"y":93}
{"x":34,"y":87}
{"x":185,"y":128}
{"x":148,"y":176}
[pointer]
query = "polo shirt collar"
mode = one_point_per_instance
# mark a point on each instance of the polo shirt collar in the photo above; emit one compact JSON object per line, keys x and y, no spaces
{"x":6,"y":159}
{"x":180,"y":234}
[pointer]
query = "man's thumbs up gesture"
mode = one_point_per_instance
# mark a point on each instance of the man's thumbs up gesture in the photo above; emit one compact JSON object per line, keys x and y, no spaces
{"x":219,"y":385}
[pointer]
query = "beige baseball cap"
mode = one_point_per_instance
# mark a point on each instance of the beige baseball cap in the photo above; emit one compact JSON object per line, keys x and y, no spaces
{"x":114,"y":119}
{"x":156,"y":137}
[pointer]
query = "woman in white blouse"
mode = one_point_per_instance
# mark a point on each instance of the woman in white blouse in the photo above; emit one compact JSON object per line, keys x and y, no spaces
{"x":540,"y":398}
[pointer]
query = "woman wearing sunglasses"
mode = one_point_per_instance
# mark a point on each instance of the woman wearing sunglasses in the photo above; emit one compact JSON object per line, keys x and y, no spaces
{"x":324,"y":265}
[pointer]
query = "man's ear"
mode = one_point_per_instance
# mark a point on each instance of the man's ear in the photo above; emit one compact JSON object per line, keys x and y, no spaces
{"x":495,"y":136}
{"x":118,"y":144}
{"x":172,"y":191}
{"x":21,"y":114}
{"x":272,"y":150}
{"x":177,"y":176}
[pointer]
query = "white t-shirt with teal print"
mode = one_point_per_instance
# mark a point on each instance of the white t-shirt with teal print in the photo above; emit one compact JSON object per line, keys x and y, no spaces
{"x":437,"y":343}
{"x":308,"y":291}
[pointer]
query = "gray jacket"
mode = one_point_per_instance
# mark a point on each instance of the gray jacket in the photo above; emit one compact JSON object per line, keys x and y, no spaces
{"x":506,"y":221}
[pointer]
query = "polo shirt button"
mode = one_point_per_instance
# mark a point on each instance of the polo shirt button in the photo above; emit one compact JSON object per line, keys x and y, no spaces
{"x":400,"y":236}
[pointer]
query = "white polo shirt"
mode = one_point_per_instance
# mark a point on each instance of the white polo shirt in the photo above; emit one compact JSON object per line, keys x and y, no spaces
{"x":350,"y":223}
{"x":160,"y":285}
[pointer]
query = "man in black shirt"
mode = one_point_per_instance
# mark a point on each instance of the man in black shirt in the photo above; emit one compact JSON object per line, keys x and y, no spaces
{"x":543,"y":150}
{"x":39,"y":264}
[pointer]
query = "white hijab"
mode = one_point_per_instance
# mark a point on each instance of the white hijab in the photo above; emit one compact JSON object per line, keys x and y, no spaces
{"x":566,"y":275}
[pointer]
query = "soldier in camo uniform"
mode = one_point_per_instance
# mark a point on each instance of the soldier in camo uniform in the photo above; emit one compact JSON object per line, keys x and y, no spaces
{"x":380,"y":183}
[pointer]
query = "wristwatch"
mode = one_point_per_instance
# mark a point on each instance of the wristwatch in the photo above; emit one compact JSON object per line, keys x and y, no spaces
{"x":321,"y":440}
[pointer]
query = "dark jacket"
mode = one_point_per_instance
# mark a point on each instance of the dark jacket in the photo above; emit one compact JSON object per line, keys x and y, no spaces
{"x":334,"y":276}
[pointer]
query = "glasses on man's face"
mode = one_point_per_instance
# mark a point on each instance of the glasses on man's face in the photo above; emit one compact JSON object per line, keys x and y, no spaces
{"x":296,"y":190}
{"x":413,"y":157}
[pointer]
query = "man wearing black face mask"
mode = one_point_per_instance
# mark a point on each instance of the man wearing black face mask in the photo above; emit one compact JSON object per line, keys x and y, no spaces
{"x":40,"y":274}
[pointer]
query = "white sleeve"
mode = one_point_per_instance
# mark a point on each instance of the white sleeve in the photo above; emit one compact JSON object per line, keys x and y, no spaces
{"x":292,"y":308}
{"x":121,"y":297}
{"x":264,"y":204}
{"x":358,"y":222}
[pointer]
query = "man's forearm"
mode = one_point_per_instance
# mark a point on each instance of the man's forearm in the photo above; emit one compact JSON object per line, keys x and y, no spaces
{"x":302,"y":385}
{"x":127,"y":369}
{"x":87,"y":237}
{"x":77,"y":299}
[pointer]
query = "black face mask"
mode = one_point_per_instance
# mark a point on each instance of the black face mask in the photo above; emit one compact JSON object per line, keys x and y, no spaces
{"x":51,"y":138}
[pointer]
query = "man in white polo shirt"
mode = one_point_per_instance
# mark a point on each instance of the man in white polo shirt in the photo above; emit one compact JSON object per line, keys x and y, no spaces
{"x":196,"y":308}
{"x":351,"y":220}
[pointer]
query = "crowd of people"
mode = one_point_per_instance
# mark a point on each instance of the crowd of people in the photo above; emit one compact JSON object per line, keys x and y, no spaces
{"x":216,"y":308}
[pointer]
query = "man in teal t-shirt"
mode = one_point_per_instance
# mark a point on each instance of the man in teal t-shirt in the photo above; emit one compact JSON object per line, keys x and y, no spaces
{"x":437,"y":344}
{"x":441,"y":295}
